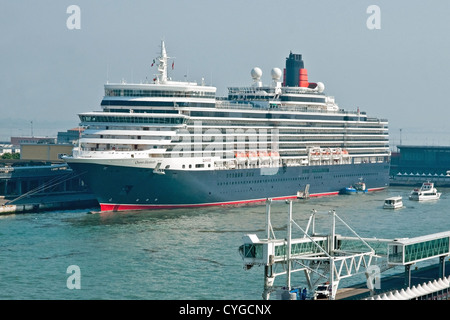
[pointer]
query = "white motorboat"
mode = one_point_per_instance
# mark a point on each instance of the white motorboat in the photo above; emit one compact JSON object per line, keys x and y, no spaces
{"x":426,"y":192}
{"x":393,"y":203}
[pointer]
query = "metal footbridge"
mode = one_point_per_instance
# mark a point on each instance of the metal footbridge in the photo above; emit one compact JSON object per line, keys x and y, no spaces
{"x":329,"y":258}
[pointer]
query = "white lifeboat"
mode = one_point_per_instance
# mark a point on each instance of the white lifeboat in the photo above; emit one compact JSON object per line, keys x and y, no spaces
{"x":252,"y":156}
{"x":264,"y":156}
{"x":241,"y":157}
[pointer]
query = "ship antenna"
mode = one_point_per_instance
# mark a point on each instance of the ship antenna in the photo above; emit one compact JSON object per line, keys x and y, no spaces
{"x":162,"y":67}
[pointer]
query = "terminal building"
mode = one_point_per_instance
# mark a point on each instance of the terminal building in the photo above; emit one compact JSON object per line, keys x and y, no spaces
{"x":421,"y":159}
{"x":413,"y":165}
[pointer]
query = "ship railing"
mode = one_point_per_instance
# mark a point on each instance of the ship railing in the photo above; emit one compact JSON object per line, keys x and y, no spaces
{"x":286,"y":161}
{"x":376,"y":120}
{"x":117,"y":153}
{"x":247,"y":105}
{"x":310,"y":159}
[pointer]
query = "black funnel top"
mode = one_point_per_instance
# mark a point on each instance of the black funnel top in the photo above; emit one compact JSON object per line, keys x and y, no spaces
{"x":293,"y":65}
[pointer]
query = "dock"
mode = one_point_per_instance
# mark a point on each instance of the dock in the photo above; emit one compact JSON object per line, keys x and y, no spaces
{"x":49,"y":202}
{"x":396,"y":282}
{"x":30,"y":186}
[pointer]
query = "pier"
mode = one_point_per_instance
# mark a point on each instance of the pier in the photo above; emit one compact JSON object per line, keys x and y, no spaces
{"x":330,"y":258}
{"x":424,"y":283}
{"x":29,"y":186}
{"x":62,"y":201}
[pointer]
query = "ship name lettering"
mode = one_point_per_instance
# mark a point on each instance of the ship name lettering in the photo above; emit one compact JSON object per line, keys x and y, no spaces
{"x":144,"y":161}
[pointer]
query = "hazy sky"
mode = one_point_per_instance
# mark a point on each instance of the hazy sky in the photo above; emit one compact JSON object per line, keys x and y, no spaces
{"x":401,"y":72}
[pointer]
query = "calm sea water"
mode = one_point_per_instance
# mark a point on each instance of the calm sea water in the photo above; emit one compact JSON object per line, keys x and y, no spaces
{"x":178,"y":254}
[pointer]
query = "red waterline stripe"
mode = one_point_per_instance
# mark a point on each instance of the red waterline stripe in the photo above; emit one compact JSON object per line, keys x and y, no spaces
{"x":124,"y":207}
{"x":377,"y":189}
{"x":120,"y":207}
{"x":324,"y":194}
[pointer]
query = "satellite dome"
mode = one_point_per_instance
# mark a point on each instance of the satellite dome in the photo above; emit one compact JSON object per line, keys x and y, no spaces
{"x":320,"y":87}
{"x":276,"y":73}
{"x":256,"y":73}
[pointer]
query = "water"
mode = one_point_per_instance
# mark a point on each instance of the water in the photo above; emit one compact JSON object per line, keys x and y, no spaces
{"x":178,"y":254}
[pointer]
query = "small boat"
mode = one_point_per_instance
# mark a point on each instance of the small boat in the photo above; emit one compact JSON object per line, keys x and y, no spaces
{"x":348,"y":190}
{"x":426,"y":192}
{"x":359,"y":187}
{"x":393,"y":203}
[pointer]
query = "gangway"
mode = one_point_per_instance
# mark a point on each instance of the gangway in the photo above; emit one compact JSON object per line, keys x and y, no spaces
{"x":321,"y":257}
{"x":406,"y":252}
{"x":333,"y":257}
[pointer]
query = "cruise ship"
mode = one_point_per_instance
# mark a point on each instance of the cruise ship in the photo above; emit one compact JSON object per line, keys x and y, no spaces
{"x":172,"y":144}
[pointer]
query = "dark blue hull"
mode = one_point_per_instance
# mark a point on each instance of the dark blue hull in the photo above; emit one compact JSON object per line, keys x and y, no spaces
{"x":132,"y":188}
